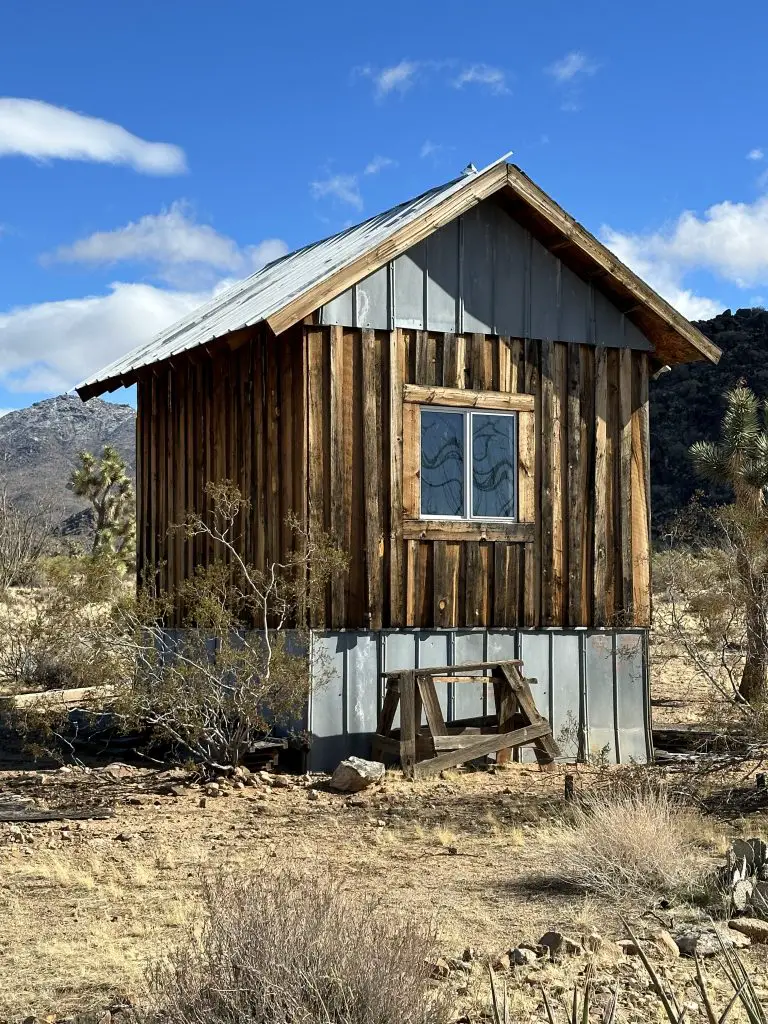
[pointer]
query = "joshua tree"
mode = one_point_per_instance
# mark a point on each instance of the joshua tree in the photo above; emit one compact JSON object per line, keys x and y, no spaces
{"x":740,"y":460}
{"x":106,"y":484}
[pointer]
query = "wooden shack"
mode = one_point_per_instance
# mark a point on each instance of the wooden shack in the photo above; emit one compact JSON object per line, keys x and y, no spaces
{"x":456,"y":389}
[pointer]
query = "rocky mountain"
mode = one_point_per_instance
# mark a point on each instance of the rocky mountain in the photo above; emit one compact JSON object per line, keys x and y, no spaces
{"x":39,"y":446}
{"x":687,"y":405}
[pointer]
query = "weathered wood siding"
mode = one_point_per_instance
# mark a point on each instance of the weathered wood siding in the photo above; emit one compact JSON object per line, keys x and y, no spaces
{"x":312,"y":423}
{"x":232,"y":412}
{"x":588,"y":563}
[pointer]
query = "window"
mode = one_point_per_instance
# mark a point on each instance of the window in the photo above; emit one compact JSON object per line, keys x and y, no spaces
{"x":468,"y":464}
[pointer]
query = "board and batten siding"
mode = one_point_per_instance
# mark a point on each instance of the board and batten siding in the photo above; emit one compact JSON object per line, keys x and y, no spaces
{"x":311,"y":423}
{"x":220,"y":414}
{"x":588,"y":561}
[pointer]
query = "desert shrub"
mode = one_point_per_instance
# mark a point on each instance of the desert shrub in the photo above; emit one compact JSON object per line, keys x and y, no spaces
{"x":58,"y":634}
{"x":284,"y":946}
{"x":631,"y":845}
{"x":243,"y":661}
{"x":25,"y":533}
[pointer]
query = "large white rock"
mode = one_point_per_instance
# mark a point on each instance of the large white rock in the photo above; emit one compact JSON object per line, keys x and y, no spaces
{"x":355,"y":773}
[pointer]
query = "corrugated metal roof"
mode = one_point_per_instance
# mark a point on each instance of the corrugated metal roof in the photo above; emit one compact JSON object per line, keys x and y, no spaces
{"x":274,"y":286}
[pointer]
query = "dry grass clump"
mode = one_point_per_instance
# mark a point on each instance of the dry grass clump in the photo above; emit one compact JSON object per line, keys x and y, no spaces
{"x":282,"y":946}
{"x":627,"y":846}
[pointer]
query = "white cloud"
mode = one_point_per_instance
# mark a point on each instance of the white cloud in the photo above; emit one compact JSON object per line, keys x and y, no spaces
{"x":343,"y":187}
{"x":174,"y":242}
{"x":661,"y":274}
{"x":379,"y":163}
{"x":396,"y":78}
{"x":483,"y":74}
{"x":729,"y":239}
{"x":51,"y":346}
{"x":41,"y":131}
{"x":571,"y":66}
{"x":431,"y":149}
{"x":755,"y":154}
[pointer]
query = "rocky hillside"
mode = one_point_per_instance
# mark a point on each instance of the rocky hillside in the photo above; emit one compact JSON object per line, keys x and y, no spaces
{"x":687,"y":405}
{"x":39,"y":446}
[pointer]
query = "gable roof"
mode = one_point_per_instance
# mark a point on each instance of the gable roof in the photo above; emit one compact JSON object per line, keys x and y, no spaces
{"x":292,"y":287}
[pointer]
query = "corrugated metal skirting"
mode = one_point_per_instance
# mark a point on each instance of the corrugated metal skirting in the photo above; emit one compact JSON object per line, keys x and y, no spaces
{"x":592,"y":685}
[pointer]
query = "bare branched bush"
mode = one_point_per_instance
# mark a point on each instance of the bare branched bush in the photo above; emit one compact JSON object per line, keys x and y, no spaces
{"x":25,"y":531}
{"x":58,"y":634}
{"x":241,"y":663}
{"x":285,"y":946}
{"x":711,"y":582}
{"x":630,"y":846}
{"x":243,"y":660}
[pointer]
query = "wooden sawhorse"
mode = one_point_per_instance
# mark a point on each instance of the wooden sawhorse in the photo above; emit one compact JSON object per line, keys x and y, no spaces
{"x":515,"y":724}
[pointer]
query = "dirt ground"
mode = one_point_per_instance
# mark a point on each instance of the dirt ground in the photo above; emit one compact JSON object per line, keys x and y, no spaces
{"x":85,"y":904}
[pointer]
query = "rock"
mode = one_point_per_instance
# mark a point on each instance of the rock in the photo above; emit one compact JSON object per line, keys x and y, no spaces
{"x":456,"y":963}
{"x":501,"y":963}
{"x":704,"y":942}
{"x":212,"y":789}
{"x":355,"y":773}
{"x":663,"y":941}
{"x":439,"y":968}
{"x":312,"y":794}
{"x":522,"y":956}
{"x":755,"y":929}
{"x":282,"y":782}
{"x":628,"y":947}
{"x":118,"y":771}
{"x":124,"y":837}
{"x":556,"y":943}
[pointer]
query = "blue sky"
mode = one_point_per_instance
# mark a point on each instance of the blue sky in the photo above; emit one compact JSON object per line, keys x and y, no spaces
{"x":151,"y":152}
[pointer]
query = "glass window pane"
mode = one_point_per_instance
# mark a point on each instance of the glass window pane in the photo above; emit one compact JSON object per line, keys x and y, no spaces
{"x":442,"y":463}
{"x":493,"y":466}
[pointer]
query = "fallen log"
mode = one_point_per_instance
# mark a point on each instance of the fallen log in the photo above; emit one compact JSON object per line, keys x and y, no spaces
{"x":73,"y":698}
{"x":31,"y":814}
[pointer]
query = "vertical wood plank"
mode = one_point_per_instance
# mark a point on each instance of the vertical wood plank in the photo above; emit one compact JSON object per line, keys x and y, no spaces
{"x":411,"y":503}
{"x":374,"y":539}
{"x":576,"y":495}
{"x":318,"y":445}
{"x":273,"y":452}
{"x":550,"y":430}
{"x":640,"y":486}
{"x":141,"y":470}
{"x":336,"y":450}
{"x":626,"y":513}
{"x":288,"y":446}
{"x":506,"y":584}
{"x":397,"y":564}
{"x":354,"y":483}
{"x":586,"y":485}
{"x":612,"y":448}
{"x":600,"y":611}
{"x":533,"y":552}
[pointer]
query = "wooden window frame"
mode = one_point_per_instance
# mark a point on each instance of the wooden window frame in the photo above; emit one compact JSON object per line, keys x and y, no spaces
{"x":415,"y":527}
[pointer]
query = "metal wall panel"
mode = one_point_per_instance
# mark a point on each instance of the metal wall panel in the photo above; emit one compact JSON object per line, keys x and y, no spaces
{"x":591,"y":684}
{"x":485,"y":273}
